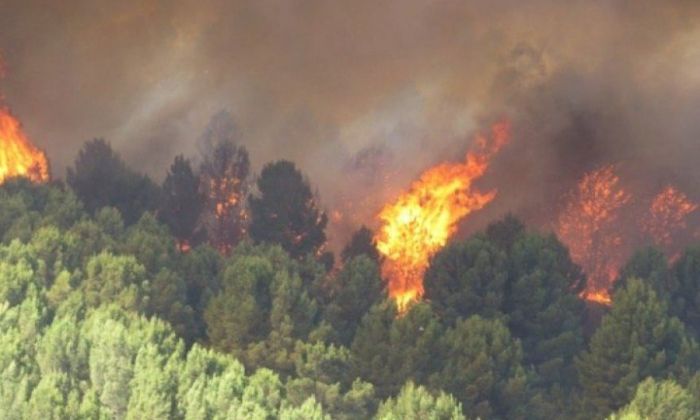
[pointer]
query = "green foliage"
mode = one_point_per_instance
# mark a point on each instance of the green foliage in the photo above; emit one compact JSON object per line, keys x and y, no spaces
{"x":543,"y":307}
{"x":200,"y":270}
{"x":482,"y":369}
{"x":119,"y":279}
{"x":25,"y":206}
{"x":56,"y":396}
{"x":659,"y":400}
{"x":285,"y":211}
{"x":637,"y":339}
{"x":498,"y":329}
{"x":648,"y":264}
{"x":390,"y":350}
{"x":309,"y":410}
{"x":88,"y":238}
{"x":417,"y":403}
{"x":467,"y":278}
{"x":325,"y":372}
{"x":354,"y":290}
{"x":20,"y":271}
{"x":685,"y":297}
{"x":262,"y":308}
{"x":168,"y":300}
{"x":151,"y":244}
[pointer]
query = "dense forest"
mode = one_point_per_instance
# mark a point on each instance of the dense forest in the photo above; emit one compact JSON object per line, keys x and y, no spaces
{"x":213,"y":296}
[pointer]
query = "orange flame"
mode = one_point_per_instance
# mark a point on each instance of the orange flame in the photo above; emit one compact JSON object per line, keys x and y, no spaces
{"x":422,"y":219}
{"x":588,"y":226}
{"x":667,"y":215}
{"x":18,"y":156}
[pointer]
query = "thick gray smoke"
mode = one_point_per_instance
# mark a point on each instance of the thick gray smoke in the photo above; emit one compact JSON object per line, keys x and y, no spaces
{"x":364,"y":95}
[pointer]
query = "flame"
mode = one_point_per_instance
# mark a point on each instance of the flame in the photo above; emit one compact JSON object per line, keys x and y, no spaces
{"x":421,"y":220}
{"x":667,"y":216}
{"x":588,"y":226}
{"x":225,"y":197}
{"x":18,"y":156}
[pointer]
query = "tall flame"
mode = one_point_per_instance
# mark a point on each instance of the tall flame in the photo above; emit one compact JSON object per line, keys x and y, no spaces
{"x":18,"y":156}
{"x":588,"y":226}
{"x":422,"y":219}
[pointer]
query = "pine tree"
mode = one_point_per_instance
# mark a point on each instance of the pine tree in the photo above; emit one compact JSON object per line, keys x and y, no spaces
{"x":467,"y":278}
{"x":181,"y":202}
{"x":482,"y":369}
{"x":543,"y":308}
{"x":637,"y":339}
{"x":417,"y":403}
{"x":286,"y":212}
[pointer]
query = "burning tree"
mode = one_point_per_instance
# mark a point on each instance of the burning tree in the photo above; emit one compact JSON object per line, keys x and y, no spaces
{"x":667,"y":217}
{"x":421,"y":220}
{"x":18,"y":156}
{"x":224,"y":184}
{"x":223,"y":177}
{"x":589,"y":228}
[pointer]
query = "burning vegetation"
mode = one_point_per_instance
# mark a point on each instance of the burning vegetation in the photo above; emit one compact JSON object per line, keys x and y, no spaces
{"x":589,"y":227}
{"x":18,"y":156}
{"x":667,"y":216}
{"x":599,"y":240}
{"x":421,"y":220}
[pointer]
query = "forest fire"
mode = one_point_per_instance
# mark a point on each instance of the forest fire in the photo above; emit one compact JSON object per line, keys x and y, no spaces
{"x":421,"y":220}
{"x":18,"y":156}
{"x":667,"y":216}
{"x":588,"y":226}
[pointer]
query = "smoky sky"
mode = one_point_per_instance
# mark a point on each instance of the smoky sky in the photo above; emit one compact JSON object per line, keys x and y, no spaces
{"x":364,"y":95}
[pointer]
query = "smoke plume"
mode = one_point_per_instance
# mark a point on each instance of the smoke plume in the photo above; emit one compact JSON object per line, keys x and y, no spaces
{"x":364,"y":95}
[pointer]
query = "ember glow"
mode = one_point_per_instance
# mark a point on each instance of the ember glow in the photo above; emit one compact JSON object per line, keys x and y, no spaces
{"x":589,"y":227}
{"x":421,"y":220}
{"x":667,"y":216}
{"x":18,"y":156}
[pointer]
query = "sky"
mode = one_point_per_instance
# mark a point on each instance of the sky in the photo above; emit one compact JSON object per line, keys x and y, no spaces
{"x":364,"y":95}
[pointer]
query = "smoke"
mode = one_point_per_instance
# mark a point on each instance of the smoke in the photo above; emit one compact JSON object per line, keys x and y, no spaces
{"x":364,"y":95}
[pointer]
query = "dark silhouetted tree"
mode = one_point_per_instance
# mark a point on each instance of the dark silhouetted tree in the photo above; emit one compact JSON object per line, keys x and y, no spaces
{"x":356,"y":288}
{"x":389,"y":350}
{"x":361,"y":243}
{"x":286,"y":212}
{"x":181,"y":202}
{"x":467,"y":278}
{"x":543,"y":308}
{"x":101,"y":179}
{"x":505,"y":232}
{"x":685,"y":294}
{"x":648,"y":264}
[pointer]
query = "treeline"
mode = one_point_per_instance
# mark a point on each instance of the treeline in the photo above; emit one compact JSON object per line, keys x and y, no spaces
{"x":206,"y":298}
